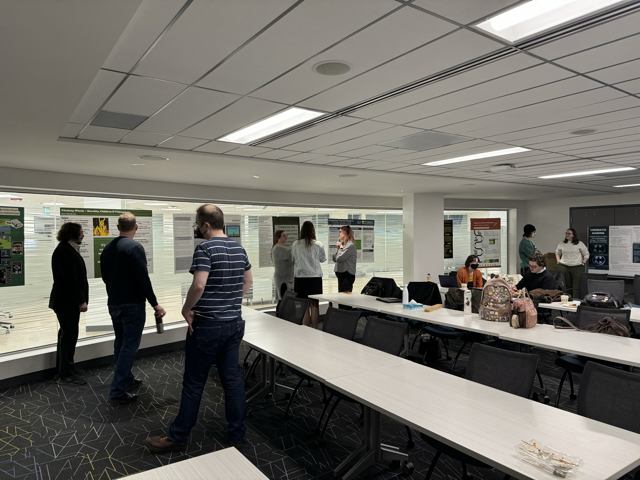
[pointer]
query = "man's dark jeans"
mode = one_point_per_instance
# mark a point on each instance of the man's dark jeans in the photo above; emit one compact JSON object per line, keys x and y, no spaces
{"x":219,"y":342}
{"x":128,"y":323}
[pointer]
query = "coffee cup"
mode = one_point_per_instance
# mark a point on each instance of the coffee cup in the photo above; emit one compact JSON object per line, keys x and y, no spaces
{"x":564,"y":299}
{"x":463,"y":286}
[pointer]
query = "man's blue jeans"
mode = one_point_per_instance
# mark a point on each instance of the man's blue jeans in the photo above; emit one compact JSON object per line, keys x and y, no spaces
{"x":128,"y":323}
{"x":212,"y":341}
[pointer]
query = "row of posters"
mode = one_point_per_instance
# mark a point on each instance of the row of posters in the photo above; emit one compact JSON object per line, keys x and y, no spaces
{"x":11,"y":246}
{"x":185,"y":239}
{"x":100,"y":226}
{"x":614,"y":249}
{"x":485,"y":241}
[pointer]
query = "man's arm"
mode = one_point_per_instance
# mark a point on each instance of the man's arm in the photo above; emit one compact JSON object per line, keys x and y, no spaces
{"x":196,"y":290}
{"x":247,"y":281}
{"x":139,"y":268}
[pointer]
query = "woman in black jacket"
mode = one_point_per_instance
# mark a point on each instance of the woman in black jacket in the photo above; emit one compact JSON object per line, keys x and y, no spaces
{"x":69,"y":297}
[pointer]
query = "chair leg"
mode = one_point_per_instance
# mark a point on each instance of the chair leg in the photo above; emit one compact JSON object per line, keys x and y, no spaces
{"x":540,"y":379}
{"x":432,"y":467}
{"x":293,"y":395}
{"x":453,"y":367}
{"x":324,"y":393}
{"x":252,"y":369}
{"x":465,"y":473}
{"x":245,"y":362}
{"x":410,"y":442}
{"x":415,"y":339}
{"x":446,"y":349}
{"x":560,"y":388}
{"x":333,"y":409}
{"x":572,"y":396}
{"x":326,"y":405}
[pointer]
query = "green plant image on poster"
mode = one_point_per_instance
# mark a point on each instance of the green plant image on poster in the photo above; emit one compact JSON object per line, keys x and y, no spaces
{"x":12,"y":266}
{"x":98,"y":245}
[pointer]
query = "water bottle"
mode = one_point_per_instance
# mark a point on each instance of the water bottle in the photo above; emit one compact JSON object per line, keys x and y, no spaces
{"x":428,"y":277}
{"x":159,"y":325}
{"x":405,"y":295}
{"x":467,"y":302}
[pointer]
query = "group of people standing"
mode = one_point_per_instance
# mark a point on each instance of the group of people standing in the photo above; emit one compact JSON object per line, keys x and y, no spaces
{"x":298,"y":268}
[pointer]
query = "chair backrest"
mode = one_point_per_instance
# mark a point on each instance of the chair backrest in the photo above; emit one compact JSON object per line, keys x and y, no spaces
{"x":293,"y":309}
{"x":286,"y":294}
{"x":511,"y":372}
{"x":385,"y":335}
{"x":426,"y":293}
{"x":610,"y":396}
{"x":614,"y":287}
{"x":342,"y":323}
{"x":583,"y":287}
{"x":559,"y":282}
{"x":586,"y":316}
{"x":636,"y":289}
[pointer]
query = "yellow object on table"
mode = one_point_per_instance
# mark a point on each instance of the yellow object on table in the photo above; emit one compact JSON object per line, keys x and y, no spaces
{"x":432,"y":308}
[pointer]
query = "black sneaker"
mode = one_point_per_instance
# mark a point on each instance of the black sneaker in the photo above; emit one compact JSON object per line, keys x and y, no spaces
{"x":134,"y":384}
{"x":71,"y":380}
{"x":78,"y":371}
{"x":123,"y":399}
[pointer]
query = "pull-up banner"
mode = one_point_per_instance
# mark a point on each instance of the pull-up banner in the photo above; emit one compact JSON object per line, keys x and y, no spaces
{"x":11,"y":246}
{"x":485,"y":241}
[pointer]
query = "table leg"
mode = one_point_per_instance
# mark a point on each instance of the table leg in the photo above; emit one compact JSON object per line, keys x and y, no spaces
{"x":262,"y":389}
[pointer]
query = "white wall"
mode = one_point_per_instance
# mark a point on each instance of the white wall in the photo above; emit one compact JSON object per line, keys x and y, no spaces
{"x":551,"y":217}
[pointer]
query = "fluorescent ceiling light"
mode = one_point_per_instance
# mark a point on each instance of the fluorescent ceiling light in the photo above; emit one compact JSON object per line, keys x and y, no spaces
{"x":624,"y":186}
{"x":4,"y":195}
{"x":156,"y":204}
{"x":280,"y":121}
{"x":538,"y":15}
{"x":495,"y":153}
{"x":590,"y":172}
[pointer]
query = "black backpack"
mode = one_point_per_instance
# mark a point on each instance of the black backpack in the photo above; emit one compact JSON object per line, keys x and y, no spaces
{"x":601,"y":300}
{"x":372,"y":288}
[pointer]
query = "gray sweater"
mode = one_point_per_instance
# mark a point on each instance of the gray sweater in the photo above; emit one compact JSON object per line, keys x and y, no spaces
{"x":346,"y":259}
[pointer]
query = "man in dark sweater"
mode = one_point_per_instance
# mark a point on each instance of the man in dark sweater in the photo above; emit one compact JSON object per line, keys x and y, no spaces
{"x":123,"y":264}
{"x":538,"y":276}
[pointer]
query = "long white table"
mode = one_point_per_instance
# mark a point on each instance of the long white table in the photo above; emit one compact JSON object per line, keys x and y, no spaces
{"x":486,"y":423}
{"x":227,"y":464}
{"x":256,"y":321}
{"x":635,"y":311}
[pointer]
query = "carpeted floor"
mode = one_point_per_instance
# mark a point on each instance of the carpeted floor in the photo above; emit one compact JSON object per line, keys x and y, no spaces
{"x":52,"y":432}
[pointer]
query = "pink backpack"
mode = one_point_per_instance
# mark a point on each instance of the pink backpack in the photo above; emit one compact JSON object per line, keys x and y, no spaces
{"x":496,"y":301}
{"x":524,"y":314}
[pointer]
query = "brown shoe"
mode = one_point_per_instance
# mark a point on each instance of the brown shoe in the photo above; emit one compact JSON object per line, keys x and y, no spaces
{"x":162,"y":444}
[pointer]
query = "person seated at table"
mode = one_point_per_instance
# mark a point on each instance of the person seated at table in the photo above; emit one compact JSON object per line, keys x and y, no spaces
{"x":537,"y":276}
{"x":469,"y":275}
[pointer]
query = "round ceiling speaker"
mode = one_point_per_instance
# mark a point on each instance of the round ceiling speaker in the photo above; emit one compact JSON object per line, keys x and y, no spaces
{"x":332,"y":68}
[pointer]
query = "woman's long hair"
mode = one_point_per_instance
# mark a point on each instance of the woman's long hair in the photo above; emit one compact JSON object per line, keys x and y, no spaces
{"x":69,"y":231}
{"x":575,"y":240}
{"x":308,"y":234}
{"x":276,"y":237}
{"x":348,"y":231}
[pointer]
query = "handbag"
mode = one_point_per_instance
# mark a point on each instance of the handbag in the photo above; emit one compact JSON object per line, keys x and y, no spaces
{"x":523,"y":311}
{"x":429,"y":347}
{"x":602,"y":300}
{"x":606,"y":325}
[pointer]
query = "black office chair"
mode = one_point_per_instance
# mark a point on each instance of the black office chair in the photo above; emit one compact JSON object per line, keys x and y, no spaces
{"x":614,"y":287}
{"x":584,"y":277}
{"x":341,"y":323}
{"x":636,"y":290}
{"x":575,"y":363}
{"x":291,"y":309}
{"x":610,"y":396}
{"x":511,"y":372}
{"x":382,"y":335}
{"x":559,"y":282}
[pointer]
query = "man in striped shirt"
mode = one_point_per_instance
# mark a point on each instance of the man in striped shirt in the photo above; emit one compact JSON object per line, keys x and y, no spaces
{"x":221,"y":277}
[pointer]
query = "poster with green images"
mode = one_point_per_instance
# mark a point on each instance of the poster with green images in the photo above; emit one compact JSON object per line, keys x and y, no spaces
{"x":11,"y":246}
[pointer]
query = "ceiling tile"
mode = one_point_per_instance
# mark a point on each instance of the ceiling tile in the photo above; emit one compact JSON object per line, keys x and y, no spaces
{"x":368,"y":48}
{"x":277,"y":154}
{"x":103,"y":134}
{"x":191,"y":106}
{"x":632,"y":86}
{"x":603,"y":56}
{"x":591,"y":37}
{"x":242,"y":113}
{"x":99,"y":90}
{"x":364,"y":151}
{"x":326,"y":160}
{"x":145,"y":27}
{"x":367,"y":140}
{"x":144,"y":138}
{"x":308,"y":29}
{"x":248,"y":151}
{"x":142,"y":96}
{"x":463,"y":11}
{"x":71,"y":130}
{"x":619,"y":73}
{"x":394,"y":152}
{"x":304,"y":157}
{"x":183,"y":143}
{"x":341,"y":135}
{"x":205,"y":34}
{"x":216,"y":147}
{"x":316,"y":130}
{"x":437,"y":56}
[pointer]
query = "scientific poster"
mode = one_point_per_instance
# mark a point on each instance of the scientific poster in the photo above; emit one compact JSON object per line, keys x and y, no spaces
{"x":11,"y":246}
{"x":267,"y":226}
{"x":448,"y":239}
{"x":363,"y":233}
{"x":614,"y":249}
{"x":100,"y":226}
{"x":485,"y":241}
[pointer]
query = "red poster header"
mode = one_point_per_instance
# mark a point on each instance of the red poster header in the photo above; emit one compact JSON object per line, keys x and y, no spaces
{"x":485,"y":224}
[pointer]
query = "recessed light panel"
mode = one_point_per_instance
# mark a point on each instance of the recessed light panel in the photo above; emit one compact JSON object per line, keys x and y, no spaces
{"x":625,"y":186}
{"x":590,"y":172}
{"x":536,"y":16}
{"x":276,"y":123}
{"x":477,"y":156}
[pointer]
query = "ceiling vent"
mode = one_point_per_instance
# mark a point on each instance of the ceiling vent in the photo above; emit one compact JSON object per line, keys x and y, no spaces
{"x":504,"y":168}
{"x":123,"y":121}
{"x":425,"y":141}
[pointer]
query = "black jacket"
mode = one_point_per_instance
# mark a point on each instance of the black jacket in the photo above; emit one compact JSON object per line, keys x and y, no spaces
{"x":531,"y":281}
{"x":70,"y":285}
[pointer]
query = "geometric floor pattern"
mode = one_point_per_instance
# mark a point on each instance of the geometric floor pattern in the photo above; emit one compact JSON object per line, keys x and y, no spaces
{"x":52,"y":432}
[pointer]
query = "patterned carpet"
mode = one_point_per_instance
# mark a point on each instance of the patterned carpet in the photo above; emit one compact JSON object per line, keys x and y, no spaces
{"x":51,"y":432}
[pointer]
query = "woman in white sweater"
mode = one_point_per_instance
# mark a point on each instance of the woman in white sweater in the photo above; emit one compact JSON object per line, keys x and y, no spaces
{"x":308,"y":253}
{"x":572,"y":255}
